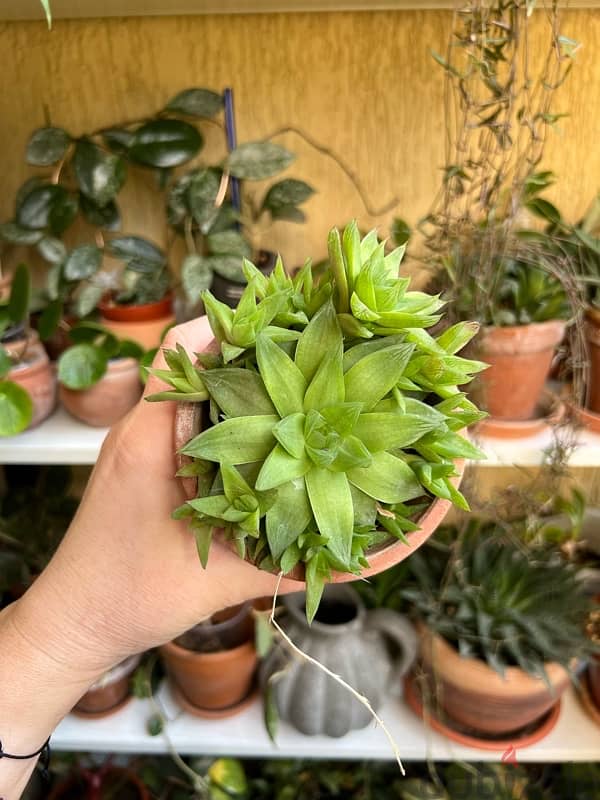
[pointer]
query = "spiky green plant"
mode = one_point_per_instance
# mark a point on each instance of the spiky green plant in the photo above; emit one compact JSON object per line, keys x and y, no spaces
{"x":492,"y":597}
{"x":335,"y":414}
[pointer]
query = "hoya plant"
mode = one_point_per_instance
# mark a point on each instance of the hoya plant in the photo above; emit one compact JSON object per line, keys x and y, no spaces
{"x":16,"y":406}
{"x":83,"y":364}
{"x":332,"y":416}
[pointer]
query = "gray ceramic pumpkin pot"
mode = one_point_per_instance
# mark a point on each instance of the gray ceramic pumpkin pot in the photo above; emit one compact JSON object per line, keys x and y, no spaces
{"x":351,"y":642}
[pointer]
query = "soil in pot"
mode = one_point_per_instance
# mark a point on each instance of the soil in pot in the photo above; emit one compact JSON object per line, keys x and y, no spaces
{"x":116,"y":784}
{"x":520,"y":358}
{"x":475,"y":697}
{"x":109,"y":693}
{"x":229,"y":291}
{"x":35,"y":374}
{"x":213,"y":664}
{"x":143,"y":324}
{"x":110,"y":399}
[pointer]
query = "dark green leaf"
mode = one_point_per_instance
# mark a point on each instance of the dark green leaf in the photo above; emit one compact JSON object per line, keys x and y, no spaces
{"x":196,"y":276}
{"x":118,"y":140}
{"x":165,"y":143}
{"x":20,"y":295}
{"x":107,"y":217}
{"x":228,"y":267}
{"x":82,"y":262}
{"x":201,"y":103}
{"x":87,"y":298}
{"x":228,"y":243}
{"x":34,"y":210}
{"x":263,"y":636}
{"x":288,"y":214}
{"x":289,"y":192}
{"x":50,"y":319}
{"x":47,"y":146}
{"x":238,"y":392}
{"x":16,"y":408}
{"x":81,"y":366}
{"x":134,"y":248}
{"x":15,"y":234}
{"x":544,"y":209}
{"x":63,"y":213}
{"x":258,"y":160}
{"x":401,"y":232}
{"x":201,"y":193}
{"x":100,"y":175}
{"x":52,"y":250}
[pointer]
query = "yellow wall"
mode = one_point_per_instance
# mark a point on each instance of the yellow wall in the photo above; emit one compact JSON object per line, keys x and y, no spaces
{"x":363,"y":83}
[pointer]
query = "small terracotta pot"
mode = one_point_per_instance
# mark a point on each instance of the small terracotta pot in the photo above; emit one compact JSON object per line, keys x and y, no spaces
{"x":143,"y":324}
{"x":108,"y":693}
{"x":473,"y":695}
{"x":108,"y":400}
{"x":213,"y":681}
{"x":188,"y":423}
{"x":113,"y":782}
{"x":520,"y":358}
{"x":592,"y":339}
{"x":35,"y":374}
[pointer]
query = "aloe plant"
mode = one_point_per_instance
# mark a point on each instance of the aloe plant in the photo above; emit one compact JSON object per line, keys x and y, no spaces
{"x":335,"y":414}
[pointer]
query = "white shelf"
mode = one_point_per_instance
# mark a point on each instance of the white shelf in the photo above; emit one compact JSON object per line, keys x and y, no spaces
{"x":58,"y":440}
{"x":575,"y":738}
{"x":63,"y":440}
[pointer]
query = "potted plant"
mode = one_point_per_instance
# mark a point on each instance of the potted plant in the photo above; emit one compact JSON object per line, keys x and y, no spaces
{"x":490,"y":267}
{"x":498,"y":647}
{"x":99,"y":375}
{"x":212,"y":666}
{"x":341,"y":418}
{"x":27,"y":383}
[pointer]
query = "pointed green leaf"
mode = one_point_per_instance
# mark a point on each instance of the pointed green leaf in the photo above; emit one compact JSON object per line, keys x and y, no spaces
{"x":238,"y":392}
{"x":331,"y":503}
{"x":234,"y":485}
{"x":317,"y":574}
{"x":320,"y":337}
{"x":342,"y":417}
{"x":284,"y":381}
{"x":388,"y":479}
{"x":280,"y":467}
{"x":327,"y":387}
{"x":211,"y":506}
{"x":288,"y":517}
{"x":203,"y":536}
{"x":220,"y":316}
{"x":290,"y":434}
{"x":351,"y":248}
{"x":389,"y":431}
{"x":371,"y":378}
{"x":237,"y":441}
{"x":456,"y":337}
{"x":350,"y":454}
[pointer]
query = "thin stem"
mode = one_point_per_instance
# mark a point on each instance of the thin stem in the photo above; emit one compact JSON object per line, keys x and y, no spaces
{"x":371,"y":210}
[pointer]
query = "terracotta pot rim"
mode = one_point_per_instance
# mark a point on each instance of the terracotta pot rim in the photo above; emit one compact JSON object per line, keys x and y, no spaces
{"x":547,"y":724}
{"x":213,"y":713}
{"x":130,"y":312}
{"x":534,"y":337}
{"x":176,"y":650}
{"x":480,"y":669}
{"x":106,"y":712}
{"x":511,"y":330}
{"x":553,"y":410}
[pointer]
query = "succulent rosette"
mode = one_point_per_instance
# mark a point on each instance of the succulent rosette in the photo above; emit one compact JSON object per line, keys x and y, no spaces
{"x":334,"y":414}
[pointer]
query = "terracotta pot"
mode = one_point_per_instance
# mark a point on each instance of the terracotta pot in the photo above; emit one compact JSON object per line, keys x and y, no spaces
{"x":143,"y":324}
{"x":520,"y":358}
{"x":592,"y":338}
{"x":109,"y":693}
{"x":473,"y":695}
{"x":188,"y":423}
{"x":106,"y":782}
{"x":216,"y":680}
{"x":229,"y":291}
{"x":35,"y":374}
{"x":108,"y":400}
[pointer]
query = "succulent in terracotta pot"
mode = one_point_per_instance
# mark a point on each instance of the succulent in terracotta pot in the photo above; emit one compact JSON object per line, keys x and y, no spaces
{"x":330,"y":418}
{"x":502,"y":627}
{"x":99,"y":375}
{"x":27,"y":382}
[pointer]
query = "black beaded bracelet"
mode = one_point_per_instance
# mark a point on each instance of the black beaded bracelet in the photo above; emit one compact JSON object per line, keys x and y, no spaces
{"x":43,"y":753}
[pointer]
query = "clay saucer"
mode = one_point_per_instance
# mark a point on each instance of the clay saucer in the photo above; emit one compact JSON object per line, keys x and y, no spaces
{"x":217,"y":713}
{"x":523,"y":738}
{"x":549,"y":412}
